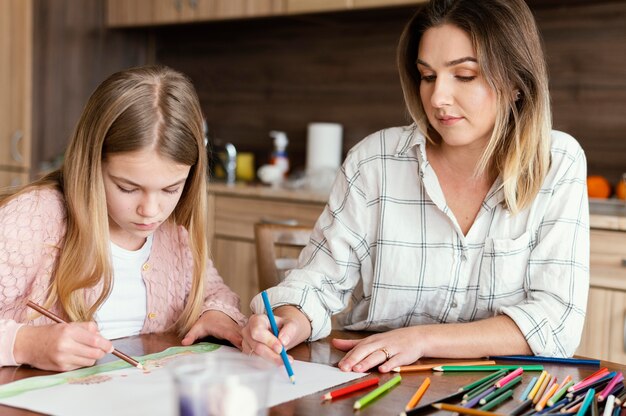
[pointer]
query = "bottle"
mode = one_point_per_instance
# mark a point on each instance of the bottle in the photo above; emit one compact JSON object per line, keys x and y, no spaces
{"x":279,"y":155}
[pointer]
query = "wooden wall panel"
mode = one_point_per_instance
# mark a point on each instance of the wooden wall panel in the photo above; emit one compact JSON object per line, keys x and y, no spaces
{"x":73,"y":53}
{"x":282,"y":73}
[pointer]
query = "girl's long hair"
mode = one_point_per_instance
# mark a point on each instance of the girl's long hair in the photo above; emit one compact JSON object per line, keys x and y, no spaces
{"x":150,"y":106}
{"x":511,"y":58}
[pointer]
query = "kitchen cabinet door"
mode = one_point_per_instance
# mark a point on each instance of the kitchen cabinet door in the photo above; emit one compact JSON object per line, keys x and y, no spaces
{"x":594,"y":342}
{"x":16,"y":39}
{"x":312,"y":6}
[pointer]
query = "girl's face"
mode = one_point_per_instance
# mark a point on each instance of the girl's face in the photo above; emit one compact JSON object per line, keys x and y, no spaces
{"x":142,"y":190}
{"x":459,"y":103}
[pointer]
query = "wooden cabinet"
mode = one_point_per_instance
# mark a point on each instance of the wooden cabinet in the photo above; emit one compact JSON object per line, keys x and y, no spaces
{"x":604,"y":334}
{"x":16,"y":45}
{"x":156,"y":12}
{"x":125,"y":13}
{"x":233,"y":213}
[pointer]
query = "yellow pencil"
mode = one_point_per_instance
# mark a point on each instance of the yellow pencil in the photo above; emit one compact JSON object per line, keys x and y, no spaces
{"x":418,"y":394}
{"x":542,"y":389}
{"x":538,"y":384}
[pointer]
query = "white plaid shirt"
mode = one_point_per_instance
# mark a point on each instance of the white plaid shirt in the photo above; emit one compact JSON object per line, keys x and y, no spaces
{"x":388,"y":244}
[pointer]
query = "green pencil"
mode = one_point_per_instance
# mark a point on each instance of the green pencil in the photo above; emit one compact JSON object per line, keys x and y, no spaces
{"x":490,"y":405}
{"x":483,"y":380}
{"x":487,"y":367}
{"x":377,"y":392}
{"x":498,"y":392}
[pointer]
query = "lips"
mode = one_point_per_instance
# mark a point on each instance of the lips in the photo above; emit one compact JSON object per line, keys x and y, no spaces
{"x":147,"y":227}
{"x":449,"y":120}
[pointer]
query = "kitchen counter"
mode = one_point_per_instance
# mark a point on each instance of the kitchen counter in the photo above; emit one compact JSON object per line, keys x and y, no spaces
{"x":257,"y":190}
{"x":607,"y":214}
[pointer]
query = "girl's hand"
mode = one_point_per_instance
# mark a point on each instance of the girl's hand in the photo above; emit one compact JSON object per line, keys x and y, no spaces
{"x":402,"y":345}
{"x":216,"y":324}
{"x":60,"y":347}
{"x":258,"y":338}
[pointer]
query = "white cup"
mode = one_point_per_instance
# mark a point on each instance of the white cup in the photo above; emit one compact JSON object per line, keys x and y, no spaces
{"x":224,"y":386}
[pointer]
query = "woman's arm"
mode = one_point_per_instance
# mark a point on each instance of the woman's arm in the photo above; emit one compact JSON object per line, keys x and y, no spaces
{"x":493,"y":336}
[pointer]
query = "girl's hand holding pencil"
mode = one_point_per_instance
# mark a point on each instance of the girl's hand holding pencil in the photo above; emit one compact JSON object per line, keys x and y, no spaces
{"x":61,"y":346}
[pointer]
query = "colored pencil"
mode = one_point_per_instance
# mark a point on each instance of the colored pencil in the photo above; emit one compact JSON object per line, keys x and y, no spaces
{"x":418,"y":394}
{"x":426,"y":367}
{"x":521,"y":407}
{"x":58,"y":320}
{"x":528,"y":388}
{"x":509,"y":377}
{"x":283,"y":352}
{"x":500,"y":391}
{"x":607,"y":390}
{"x":608,"y":407}
{"x":369,"y":397}
{"x":487,"y":367}
{"x":349,"y":389}
{"x":542,"y":388}
{"x":595,"y":376}
{"x":535,"y":389}
{"x":541,"y":359}
{"x":598,"y":384}
{"x":544,"y":400}
{"x":463,"y":410}
{"x":478,"y":390}
{"x":559,"y":393}
{"x":586,"y":402}
{"x":419,"y":410}
{"x":498,"y":400}
{"x":486,"y":379}
{"x":476,"y":399}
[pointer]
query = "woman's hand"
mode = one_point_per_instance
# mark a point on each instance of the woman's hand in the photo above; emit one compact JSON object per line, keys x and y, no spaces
{"x":216,"y":324}
{"x":258,"y":338}
{"x":401,"y":345}
{"x":60,"y":347}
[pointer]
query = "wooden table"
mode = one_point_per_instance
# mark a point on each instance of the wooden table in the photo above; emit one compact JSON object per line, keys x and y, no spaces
{"x":322,"y":352}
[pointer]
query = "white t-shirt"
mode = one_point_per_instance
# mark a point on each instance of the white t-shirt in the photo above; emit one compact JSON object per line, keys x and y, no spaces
{"x":124,"y":311}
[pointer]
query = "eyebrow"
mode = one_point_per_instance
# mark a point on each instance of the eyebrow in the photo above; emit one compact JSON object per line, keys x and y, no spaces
{"x":451,"y":63}
{"x":129,"y":182}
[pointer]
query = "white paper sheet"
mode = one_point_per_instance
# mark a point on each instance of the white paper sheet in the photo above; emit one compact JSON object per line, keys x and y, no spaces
{"x":130,"y":391}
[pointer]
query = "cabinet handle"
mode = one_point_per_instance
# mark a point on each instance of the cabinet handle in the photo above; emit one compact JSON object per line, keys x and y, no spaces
{"x":178,"y":4}
{"x":193,"y":3}
{"x":15,"y":140}
{"x":623,"y":262}
{"x":265,"y":220}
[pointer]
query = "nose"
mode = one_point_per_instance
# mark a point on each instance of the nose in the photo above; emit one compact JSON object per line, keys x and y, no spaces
{"x":149,"y":205}
{"x":442,"y":93}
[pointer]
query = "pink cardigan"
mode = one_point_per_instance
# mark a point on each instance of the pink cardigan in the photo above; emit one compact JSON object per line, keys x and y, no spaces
{"x":32,"y":227}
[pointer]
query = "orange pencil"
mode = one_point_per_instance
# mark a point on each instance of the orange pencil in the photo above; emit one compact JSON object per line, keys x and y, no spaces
{"x":58,"y":320}
{"x":418,"y":394}
{"x":464,"y":410}
{"x":542,"y":402}
{"x":426,"y":367}
{"x":349,"y":389}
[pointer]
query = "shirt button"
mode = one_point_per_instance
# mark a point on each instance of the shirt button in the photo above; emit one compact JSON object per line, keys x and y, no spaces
{"x":152,"y":315}
{"x":146,"y":267}
{"x":454,"y":305}
{"x":463,"y":257}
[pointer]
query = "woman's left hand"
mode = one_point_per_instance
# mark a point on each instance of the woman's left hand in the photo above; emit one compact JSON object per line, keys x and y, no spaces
{"x":386,"y":350}
{"x":216,"y":324}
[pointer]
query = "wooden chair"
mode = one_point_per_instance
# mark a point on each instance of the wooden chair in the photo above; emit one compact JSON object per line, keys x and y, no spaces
{"x":277,"y":250}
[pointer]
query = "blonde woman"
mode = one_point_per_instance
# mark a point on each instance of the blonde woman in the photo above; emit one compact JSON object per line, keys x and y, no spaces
{"x":114,"y":241}
{"x":464,"y":234}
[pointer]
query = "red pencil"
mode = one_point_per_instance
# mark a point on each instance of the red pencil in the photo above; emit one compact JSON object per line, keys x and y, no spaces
{"x":349,"y":389}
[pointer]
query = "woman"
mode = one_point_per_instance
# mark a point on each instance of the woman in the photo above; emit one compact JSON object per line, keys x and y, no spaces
{"x":114,"y":241}
{"x":462,"y":235}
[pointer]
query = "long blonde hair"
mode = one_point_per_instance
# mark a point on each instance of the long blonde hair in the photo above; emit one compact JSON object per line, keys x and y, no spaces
{"x":510,"y":55}
{"x":140,"y":107}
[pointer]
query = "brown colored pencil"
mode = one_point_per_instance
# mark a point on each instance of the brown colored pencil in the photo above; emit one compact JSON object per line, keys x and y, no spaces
{"x":425,"y":367}
{"x":57,"y":319}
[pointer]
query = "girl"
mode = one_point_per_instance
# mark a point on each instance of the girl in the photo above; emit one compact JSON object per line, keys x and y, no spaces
{"x":114,"y":241}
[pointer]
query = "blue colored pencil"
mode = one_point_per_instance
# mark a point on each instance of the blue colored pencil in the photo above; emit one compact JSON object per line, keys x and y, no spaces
{"x":283,"y":352}
{"x":528,"y":388}
{"x":541,"y":359}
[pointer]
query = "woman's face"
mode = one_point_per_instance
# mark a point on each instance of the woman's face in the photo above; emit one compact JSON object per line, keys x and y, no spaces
{"x":459,"y":104}
{"x":142,"y":189}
